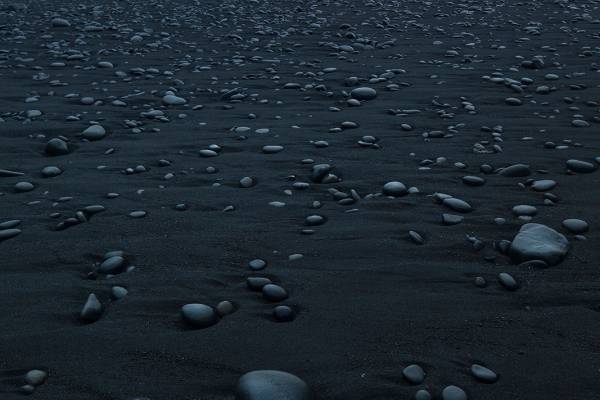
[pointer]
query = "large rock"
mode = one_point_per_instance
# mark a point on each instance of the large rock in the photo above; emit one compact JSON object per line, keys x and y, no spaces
{"x":271,"y":385}
{"x":539,"y":242}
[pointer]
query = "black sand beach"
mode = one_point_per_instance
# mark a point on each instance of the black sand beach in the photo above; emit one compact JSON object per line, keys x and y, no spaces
{"x":183,"y":97}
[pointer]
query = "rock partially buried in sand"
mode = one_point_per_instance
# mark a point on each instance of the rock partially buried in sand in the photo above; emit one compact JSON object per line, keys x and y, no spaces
{"x":539,"y":242}
{"x":453,"y":393}
{"x":395,"y":189}
{"x":9,"y":233}
{"x":199,"y":315}
{"x":271,"y":385}
{"x":56,"y":147}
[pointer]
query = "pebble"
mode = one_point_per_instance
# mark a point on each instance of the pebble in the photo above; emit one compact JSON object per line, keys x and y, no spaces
{"x":6,"y":234}
{"x":271,"y":385}
{"x":92,"y":309}
{"x":22,"y":187}
{"x":94,"y":132}
{"x":363,"y":93}
{"x":414,"y":374}
{"x":453,"y":393}
{"x":283,"y":313}
{"x":395,"y":189}
{"x":274,"y":293}
{"x":56,"y":147}
{"x":508,"y":281}
{"x":199,"y":315}
{"x":36,"y":377}
{"x":483,"y":374}
{"x":582,"y":167}
{"x":574,"y":225}
{"x":539,"y":242}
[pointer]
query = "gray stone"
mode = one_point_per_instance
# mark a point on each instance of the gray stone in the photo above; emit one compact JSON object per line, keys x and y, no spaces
{"x":36,"y":377}
{"x":539,"y":242}
{"x":92,"y":309}
{"x":56,"y":147}
{"x":271,"y":385}
{"x":199,"y":315}
{"x":94,"y":132}
{"x":395,"y":189}
{"x":414,"y":374}
{"x":453,"y":393}
{"x":483,"y":374}
{"x":363,"y":93}
{"x":574,"y":225}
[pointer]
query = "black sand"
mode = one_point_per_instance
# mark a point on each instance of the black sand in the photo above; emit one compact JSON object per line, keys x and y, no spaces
{"x":369,"y":301}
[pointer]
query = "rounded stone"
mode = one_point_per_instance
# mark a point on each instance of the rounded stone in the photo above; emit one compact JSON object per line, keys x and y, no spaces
{"x":363,"y":93}
{"x":483,"y":374}
{"x":422,"y":395}
{"x":257,"y":264}
{"x":36,"y":377}
{"x":508,"y":281}
{"x":414,"y":374}
{"x":112,"y":265}
{"x":395,"y":189}
{"x":283,"y":313}
{"x":51,"y":171}
{"x":516,"y":171}
{"x":582,"y":167}
{"x":225,"y":307}
{"x":543,"y":185}
{"x":56,"y":147}
{"x":94,"y":132}
{"x":473,"y":180}
{"x":313,"y":220}
{"x":539,"y":242}
{"x":118,"y":292}
{"x":199,"y":315}
{"x":247,"y":182}
{"x":574,"y":225}
{"x":22,"y":187}
{"x":92,"y":309}
{"x":274,"y":293}
{"x":453,"y":393}
{"x":271,"y":385}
